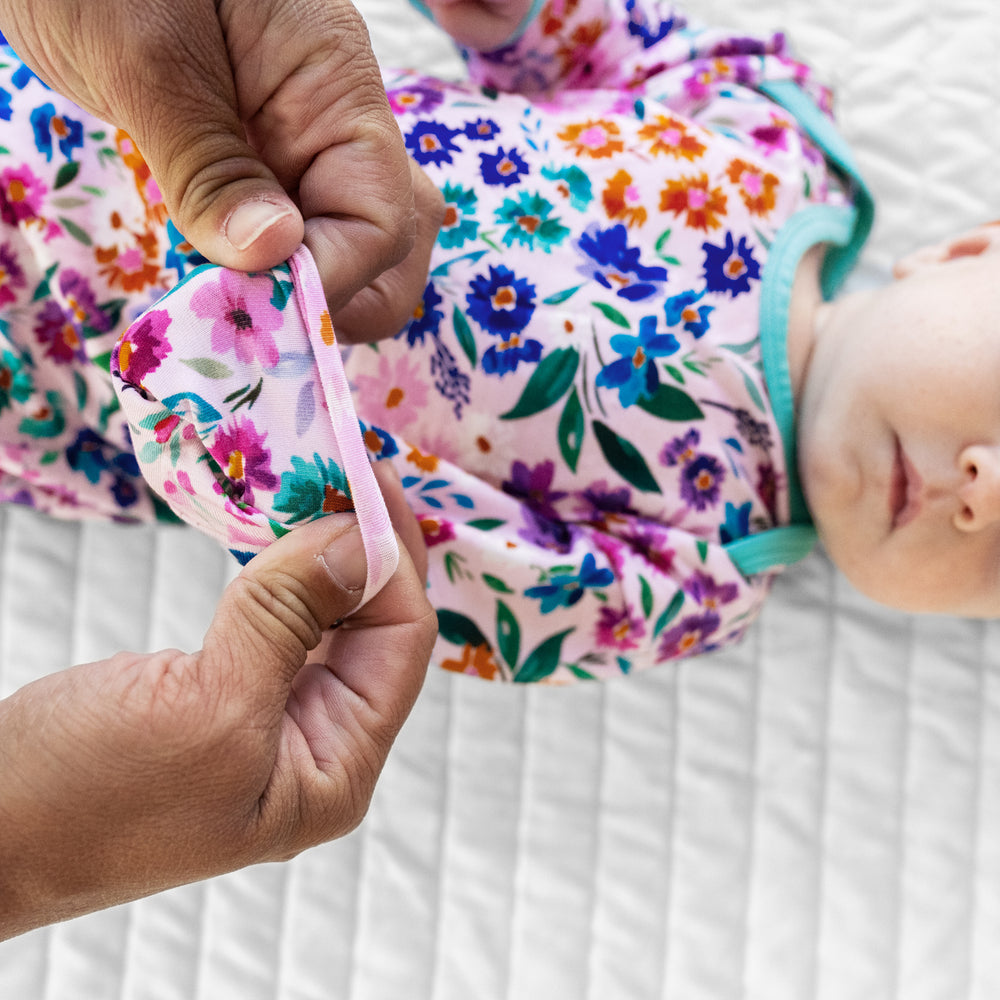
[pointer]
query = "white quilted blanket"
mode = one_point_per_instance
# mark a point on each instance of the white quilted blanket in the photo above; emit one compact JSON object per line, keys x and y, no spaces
{"x":812,"y":816}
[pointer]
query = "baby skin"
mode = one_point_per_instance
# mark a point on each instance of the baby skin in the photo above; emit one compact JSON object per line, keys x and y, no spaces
{"x":898,"y":417}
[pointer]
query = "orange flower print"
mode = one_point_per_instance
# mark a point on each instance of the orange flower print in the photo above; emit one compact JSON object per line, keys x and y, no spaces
{"x":596,"y":139}
{"x":622,"y":200}
{"x":132,"y":263}
{"x":756,"y":187}
{"x":149,"y":190}
{"x":672,"y":137}
{"x":477,"y":661}
{"x":692,"y":197}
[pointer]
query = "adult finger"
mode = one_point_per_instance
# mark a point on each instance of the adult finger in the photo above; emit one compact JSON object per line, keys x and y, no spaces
{"x":217,"y":188}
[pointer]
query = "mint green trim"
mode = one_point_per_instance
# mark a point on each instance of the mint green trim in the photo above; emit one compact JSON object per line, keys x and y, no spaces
{"x":817,"y":224}
{"x":536,"y":6}
{"x":776,"y":547}
{"x":823,"y":132}
{"x":844,"y":228}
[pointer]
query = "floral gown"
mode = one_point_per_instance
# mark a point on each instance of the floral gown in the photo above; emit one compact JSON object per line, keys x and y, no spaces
{"x":578,"y":408}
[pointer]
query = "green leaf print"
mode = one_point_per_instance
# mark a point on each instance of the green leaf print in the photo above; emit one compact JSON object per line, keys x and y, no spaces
{"x":571,"y":428}
{"x":464,"y":335}
{"x":456,"y":628}
{"x":495,"y":583}
{"x":669,"y":614}
{"x":612,"y":314}
{"x":67,"y":173}
{"x":508,"y":635}
{"x":647,"y":597}
{"x":208,"y":367}
{"x":75,"y":231}
{"x":551,"y":378}
{"x":625,"y":459}
{"x":560,"y":297}
{"x":543,"y":660}
{"x":486,"y":523}
{"x":671,"y":403}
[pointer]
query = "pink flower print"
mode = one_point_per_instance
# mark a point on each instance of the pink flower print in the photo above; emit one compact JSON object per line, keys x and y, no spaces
{"x":395,"y":396}
{"x":243,"y":315}
{"x":245,"y":461}
{"x":618,"y":628}
{"x":21,"y":194}
{"x":11,"y":275}
{"x":143,"y":347}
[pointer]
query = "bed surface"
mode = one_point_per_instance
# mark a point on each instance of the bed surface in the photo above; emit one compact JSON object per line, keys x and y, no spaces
{"x":814,"y":815}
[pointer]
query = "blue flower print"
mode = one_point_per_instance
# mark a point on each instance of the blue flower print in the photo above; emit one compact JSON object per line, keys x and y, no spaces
{"x":612,"y":263}
{"x":682,"y":310}
{"x":5,"y":109}
{"x":502,"y":167}
{"x":431,"y":142}
{"x":459,"y":224}
{"x":501,"y":303}
{"x":50,"y":129}
{"x":426,"y":317}
{"x":481,"y":129}
{"x":15,"y":382}
{"x":181,"y":256}
{"x":530,"y":222}
{"x":91,"y":455}
{"x":574,"y":184}
{"x":565,"y":589}
{"x":737,"y":523}
{"x":731,"y":267}
{"x":310,"y":489}
{"x":508,"y":354}
{"x":379,"y":442}
{"x":634,"y":374}
{"x":639,"y":25}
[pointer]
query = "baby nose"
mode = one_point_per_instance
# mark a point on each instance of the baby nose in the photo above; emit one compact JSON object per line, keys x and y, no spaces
{"x":979,"y":493}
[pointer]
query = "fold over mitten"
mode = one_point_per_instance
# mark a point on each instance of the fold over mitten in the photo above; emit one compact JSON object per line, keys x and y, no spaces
{"x":241,"y":415}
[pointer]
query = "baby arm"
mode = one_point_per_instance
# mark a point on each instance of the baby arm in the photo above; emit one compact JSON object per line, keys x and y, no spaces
{"x":540,"y":46}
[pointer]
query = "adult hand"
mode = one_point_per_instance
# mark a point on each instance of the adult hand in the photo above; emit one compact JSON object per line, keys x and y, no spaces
{"x":127,"y":776}
{"x":253,"y":116}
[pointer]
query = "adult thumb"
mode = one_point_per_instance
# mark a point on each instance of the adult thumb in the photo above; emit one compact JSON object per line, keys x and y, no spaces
{"x":218,"y":191}
{"x":276,"y":610}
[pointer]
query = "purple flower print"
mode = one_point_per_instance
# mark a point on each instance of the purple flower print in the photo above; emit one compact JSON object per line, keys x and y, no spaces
{"x":709,"y":594}
{"x":80,"y":301}
{"x":245,"y":461}
{"x":618,"y":628}
{"x":681,"y":449}
{"x":546,"y":532}
{"x":419,"y":98}
{"x":535,"y":486}
{"x":143,"y":347}
{"x":11,"y":275}
{"x":59,"y":335}
{"x":243,"y":315}
{"x":689,"y":637}
{"x":700,"y":482}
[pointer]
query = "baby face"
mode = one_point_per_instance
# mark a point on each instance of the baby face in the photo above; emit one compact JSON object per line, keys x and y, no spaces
{"x":899,"y":438}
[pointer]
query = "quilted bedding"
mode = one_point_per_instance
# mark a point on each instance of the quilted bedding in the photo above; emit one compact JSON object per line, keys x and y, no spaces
{"x":814,"y":815}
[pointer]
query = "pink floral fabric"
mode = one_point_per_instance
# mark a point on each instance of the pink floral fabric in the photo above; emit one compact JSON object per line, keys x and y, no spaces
{"x":247,"y":439}
{"x":578,"y":407}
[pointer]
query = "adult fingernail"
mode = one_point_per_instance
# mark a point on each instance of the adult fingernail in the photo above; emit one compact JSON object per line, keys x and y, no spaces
{"x":345,"y":560}
{"x":251,"y":220}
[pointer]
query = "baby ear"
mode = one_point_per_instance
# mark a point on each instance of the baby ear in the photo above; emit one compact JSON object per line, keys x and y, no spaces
{"x":972,"y":243}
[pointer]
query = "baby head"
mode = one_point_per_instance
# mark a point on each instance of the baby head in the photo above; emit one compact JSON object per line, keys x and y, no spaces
{"x":898,"y":405}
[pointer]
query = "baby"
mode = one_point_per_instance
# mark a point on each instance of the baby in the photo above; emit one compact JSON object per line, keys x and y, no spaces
{"x":627,"y":394}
